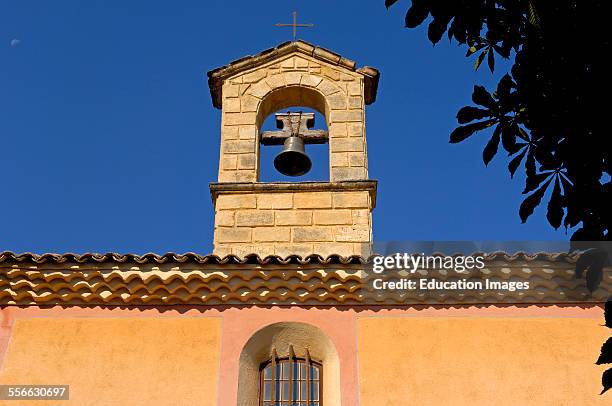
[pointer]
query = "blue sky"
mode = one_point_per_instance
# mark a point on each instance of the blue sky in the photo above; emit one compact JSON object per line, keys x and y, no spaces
{"x":109,"y":137}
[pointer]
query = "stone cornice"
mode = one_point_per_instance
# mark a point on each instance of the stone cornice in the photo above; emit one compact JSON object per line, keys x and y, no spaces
{"x":217,"y":188}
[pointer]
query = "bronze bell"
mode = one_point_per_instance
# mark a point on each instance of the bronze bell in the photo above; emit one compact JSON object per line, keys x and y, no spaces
{"x":292,"y":160}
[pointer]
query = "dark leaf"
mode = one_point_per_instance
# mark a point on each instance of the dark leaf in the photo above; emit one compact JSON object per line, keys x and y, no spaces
{"x":534,"y":18}
{"x":608,"y":313}
{"x":509,"y":139}
{"x":516,"y":161}
{"x":530,"y":167}
{"x":436,"y":29}
{"x":491,"y":60}
{"x":606,"y":380}
{"x":491,"y":148}
{"x":532,"y":201}
{"x":416,"y":14}
{"x":594,"y":276}
{"x":504,"y":86}
{"x":534,"y":181}
{"x":606,"y":353}
{"x":462,"y":132}
{"x":584,"y":262}
{"x":469,"y":113}
{"x":523,"y":134}
{"x":481,"y":97}
{"x":555,"y":206}
{"x":389,"y":3}
{"x":479,"y":59}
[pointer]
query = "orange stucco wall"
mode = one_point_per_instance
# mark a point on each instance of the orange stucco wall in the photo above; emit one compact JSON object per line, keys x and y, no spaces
{"x":521,"y":359}
{"x":117,"y":361}
{"x":472,"y":355}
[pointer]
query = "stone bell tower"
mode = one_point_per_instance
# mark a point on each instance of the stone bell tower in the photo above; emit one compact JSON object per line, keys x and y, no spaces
{"x":285,"y":218}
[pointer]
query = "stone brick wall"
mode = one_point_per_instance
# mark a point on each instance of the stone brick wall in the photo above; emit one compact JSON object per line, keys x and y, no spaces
{"x":300,"y":222}
{"x":294,"y":80}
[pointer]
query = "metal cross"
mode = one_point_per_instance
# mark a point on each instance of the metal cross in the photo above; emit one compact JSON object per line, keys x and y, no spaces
{"x":294,"y":25}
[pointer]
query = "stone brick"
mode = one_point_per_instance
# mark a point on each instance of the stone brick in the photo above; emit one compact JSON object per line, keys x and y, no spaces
{"x":224,"y":218}
{"x":271,"y":234}
{"x":254,"y":76}
{"x":249,"y":103}
{"x":293,"y":217}
{"x":337,"y":101}
{"x":229,"y":162}
{"x":339,"y":159}
{"x":246,"y":161}
{"x":247,"y":132}
{"x":255,"y":218}
{"x":310,"y":80}
{"x":355,"y":130}
{"x":226,"y":234}
{"x":242,"y":250}
{"x":352,"y":234}
{"x":275,"y":201}
{"x":246,"y":175}
{"x":330,"y":73}
{"x":306,"y":234}
{"x":356,"y":158}
{"x":327,"y":87}
{"x":239,"y":147}
{"x":338,"y":130}
{"x":347,"y":145}
{"x":312,"y":200}
{"x":276,"y":81}
{"x":351,"y":199}
{"x":230,"y":90}
{"x":244,"y":88}
{"x":288,"y":63}
{"x":353,"y":173}
{"x":331,"y":248}
{"x":354,"y":89}
{"x":338,"y":116}
{"x":301,"y":63}
{"x":231,"y":105}
{"x":355,"y":102}
{"x":260,"y":90}
{"x":361,"y":216}
{"x":302,"y":249}
{"x":263,"y":250}
{"x":333,"y":217}
{"x":293,"y":78}
{"x":235,"y":202}
{"x":229,"y":133}
{"x":238,"y":118}
{"x":222,"y":250}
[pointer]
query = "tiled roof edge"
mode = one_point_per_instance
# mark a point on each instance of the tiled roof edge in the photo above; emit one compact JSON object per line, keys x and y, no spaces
{"x":8,"y":256}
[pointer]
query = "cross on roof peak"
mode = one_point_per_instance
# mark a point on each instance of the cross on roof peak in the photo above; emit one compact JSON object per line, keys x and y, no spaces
{"x":294,"y":25}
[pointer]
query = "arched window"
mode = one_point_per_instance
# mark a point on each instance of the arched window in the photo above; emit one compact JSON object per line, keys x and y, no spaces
{"x":291,"y":381}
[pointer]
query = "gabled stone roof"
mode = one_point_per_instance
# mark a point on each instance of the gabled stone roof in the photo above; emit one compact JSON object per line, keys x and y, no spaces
{"x":218,"y":75}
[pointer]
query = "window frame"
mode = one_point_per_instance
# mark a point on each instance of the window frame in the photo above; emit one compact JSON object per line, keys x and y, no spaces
{"x":306,"y":360}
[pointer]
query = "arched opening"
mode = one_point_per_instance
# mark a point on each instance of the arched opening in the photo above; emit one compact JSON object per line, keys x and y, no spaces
{"x":318,"y":153}
{"x":293,"y":99}
{"x":300,"y":342}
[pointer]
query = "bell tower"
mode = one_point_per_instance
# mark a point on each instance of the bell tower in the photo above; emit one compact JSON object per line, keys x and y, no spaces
{"x":285,"y":218}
